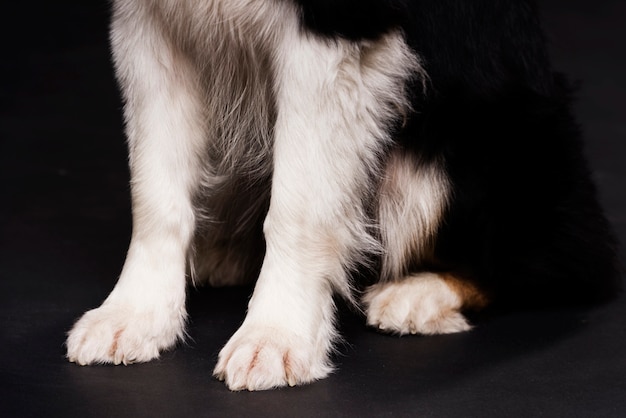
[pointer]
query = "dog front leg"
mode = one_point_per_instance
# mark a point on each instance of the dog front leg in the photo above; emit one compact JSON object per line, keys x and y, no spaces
{"x":332,"y":122}
{"x":145,"y":313}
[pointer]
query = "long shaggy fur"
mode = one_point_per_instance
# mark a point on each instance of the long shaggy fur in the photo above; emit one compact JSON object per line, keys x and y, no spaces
{"x":310,"y":144}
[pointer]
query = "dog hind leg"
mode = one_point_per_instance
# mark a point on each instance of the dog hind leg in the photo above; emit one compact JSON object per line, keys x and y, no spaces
{"x":412,"y":200}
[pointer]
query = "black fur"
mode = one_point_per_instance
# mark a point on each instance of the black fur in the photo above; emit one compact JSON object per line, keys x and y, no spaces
{"x":524,"y":222}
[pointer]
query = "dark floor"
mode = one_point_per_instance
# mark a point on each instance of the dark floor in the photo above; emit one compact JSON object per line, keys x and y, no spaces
{"x":64,"y":228}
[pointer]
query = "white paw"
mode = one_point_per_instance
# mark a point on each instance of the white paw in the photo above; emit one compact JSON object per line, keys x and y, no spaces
{"x":260,"y":358}
{"x":118,"y":334}
{"x":419,"y":304}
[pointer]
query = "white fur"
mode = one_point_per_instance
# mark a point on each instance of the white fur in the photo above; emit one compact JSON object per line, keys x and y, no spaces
{"x":418,"y":304}
{"x":413,"y":197}
{"x":185,"y":125}
{"x":232,"y":89}
{"x":145,"y":313}
{"x":333,"y":99}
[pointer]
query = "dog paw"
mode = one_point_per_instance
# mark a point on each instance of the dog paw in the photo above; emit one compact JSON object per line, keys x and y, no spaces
{"x":258,"y":358}
{"x":419,"y":304}
{"x":118,"y":334}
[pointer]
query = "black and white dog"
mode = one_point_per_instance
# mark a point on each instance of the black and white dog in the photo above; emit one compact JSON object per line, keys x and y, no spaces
{"x":311,"y":143}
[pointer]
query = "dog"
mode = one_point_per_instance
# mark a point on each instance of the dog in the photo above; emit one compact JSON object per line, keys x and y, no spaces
{"x":418,"y":158}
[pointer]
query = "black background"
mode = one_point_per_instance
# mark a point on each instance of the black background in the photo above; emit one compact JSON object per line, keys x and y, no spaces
{"x":65,"y":226}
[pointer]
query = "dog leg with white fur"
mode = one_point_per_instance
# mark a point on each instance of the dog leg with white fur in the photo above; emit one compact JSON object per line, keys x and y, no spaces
{"x":422,"y":303}
{"x":334,"y":98}
{"x":145,"y":313}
